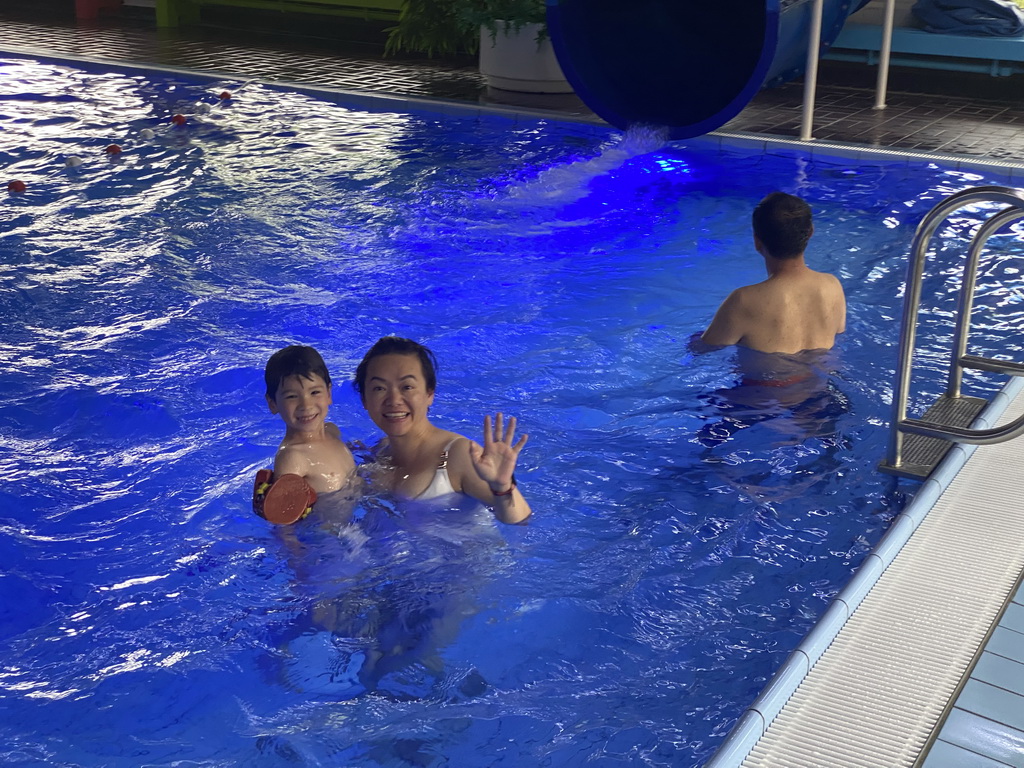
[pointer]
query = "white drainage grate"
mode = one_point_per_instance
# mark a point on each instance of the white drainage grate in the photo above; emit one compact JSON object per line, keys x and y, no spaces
{"x":878,"y":691}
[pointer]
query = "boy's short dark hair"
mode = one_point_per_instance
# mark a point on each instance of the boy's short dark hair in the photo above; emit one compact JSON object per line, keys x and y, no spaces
{"x":396,"y":345}
{"x":783,"y":224}
{"x":294,"y":361}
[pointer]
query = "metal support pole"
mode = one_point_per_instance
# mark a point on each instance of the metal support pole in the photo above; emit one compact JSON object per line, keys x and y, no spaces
{"x":882,"y":85}
{"x":811,"y":76}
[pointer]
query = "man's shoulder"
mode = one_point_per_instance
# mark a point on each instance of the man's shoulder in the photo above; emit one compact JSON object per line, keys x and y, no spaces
{"x":731,"y":321}
{"x":748,"y":296}
{"x":737,"y":295}
{"x":828,"y":278}
{"x":832,"y":287}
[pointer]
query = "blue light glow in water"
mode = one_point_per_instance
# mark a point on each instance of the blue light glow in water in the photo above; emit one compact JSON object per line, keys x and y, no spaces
{"x":683,"y":540}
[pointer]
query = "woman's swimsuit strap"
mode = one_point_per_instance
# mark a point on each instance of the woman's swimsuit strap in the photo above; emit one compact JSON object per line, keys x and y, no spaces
{"x":440,"y":483}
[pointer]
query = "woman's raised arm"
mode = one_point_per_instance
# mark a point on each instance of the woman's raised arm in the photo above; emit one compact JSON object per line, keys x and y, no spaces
{"x":494,"y":464}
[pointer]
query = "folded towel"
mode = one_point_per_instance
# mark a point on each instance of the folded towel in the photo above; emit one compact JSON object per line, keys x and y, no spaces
{"x":982,"y":18}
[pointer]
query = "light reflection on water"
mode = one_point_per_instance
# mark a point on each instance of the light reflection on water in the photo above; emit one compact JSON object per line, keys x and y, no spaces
{"x":682,"y":543}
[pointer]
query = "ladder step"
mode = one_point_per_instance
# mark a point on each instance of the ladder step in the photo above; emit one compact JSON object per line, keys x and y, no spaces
{"x":991,"y":364}
{"x":922,"y":454}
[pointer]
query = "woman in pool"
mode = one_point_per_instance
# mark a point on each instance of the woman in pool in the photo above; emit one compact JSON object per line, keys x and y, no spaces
{"x":396,"y":381}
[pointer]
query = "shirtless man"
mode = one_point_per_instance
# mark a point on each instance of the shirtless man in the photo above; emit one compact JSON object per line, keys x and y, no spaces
{"x":796,"y":308}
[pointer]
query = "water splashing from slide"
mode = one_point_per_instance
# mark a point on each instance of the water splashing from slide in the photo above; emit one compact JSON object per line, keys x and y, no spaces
{"x":570,"y":182}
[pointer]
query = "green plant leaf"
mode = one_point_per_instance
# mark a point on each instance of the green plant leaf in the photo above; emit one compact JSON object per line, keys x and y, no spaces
{"x":443,"y":27}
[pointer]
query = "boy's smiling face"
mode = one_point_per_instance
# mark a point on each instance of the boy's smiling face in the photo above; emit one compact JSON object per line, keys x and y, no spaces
{"x":301,"y":402}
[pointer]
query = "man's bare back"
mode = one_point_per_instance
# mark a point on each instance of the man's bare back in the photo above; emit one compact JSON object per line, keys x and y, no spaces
{"x":796,"y":308}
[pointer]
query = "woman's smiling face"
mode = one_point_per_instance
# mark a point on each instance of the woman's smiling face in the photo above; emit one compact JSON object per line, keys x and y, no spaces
{"x":395,"y":394}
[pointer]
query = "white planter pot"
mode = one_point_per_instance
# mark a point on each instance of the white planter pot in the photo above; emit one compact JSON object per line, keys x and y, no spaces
{"x":513,"y":61}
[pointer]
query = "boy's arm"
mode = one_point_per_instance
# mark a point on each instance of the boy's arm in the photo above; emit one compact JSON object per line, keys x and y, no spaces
{"x":288,"y":461}
{"x":726,"y":328}
{"x":332,"y":429}
{"x":290,"y":496}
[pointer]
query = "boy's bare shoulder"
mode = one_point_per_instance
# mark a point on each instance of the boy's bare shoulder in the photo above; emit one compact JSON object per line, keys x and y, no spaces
{"x":293,"y":459}
{"x":327,"y":464}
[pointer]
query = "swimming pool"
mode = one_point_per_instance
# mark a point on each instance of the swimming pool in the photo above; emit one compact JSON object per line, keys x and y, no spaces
{"x":680,"y":547}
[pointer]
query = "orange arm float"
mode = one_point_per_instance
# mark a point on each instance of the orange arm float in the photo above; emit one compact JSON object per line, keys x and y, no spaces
{"x":285,"y":500}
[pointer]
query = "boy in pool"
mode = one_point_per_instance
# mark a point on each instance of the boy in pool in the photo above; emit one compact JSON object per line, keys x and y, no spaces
{"x":312,"y":458}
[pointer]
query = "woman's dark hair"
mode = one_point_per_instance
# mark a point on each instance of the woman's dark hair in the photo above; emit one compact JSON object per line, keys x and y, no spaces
{"x":293,"y":361}
{"x":783,"y":224}
{"x":396,"y":345}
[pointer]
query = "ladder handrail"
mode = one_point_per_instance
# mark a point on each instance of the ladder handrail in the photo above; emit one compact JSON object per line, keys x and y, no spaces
{"x":989,"y":436}
{"x":992,"y":365}
{"x":1013,"y":198}
{"x":963,"y":318}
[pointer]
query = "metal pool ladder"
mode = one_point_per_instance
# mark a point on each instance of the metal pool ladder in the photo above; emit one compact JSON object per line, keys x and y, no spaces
{"x":916,"y":446}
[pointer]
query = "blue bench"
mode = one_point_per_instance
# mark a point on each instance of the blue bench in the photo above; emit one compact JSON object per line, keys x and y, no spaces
{"x":917,"y":48}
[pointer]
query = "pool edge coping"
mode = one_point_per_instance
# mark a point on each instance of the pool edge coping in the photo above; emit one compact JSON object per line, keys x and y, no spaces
{"x":759,"y":715}
{"x":722,"y":139}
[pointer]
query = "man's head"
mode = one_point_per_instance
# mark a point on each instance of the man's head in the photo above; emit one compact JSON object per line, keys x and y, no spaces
{"x":782,"y":225}
{"x":295,"y":360}
{"x":396,"y":345}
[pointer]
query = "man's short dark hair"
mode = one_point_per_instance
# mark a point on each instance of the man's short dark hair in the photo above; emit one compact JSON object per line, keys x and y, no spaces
{"x":783,"y":225}
{"x":396,"y":345}
{"x":294,"y":361}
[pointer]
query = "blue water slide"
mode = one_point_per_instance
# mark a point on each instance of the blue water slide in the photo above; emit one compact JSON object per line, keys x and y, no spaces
{"x":688,"y":65}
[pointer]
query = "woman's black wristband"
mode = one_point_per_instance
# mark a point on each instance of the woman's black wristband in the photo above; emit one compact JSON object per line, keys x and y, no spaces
{"x":509,"y":491}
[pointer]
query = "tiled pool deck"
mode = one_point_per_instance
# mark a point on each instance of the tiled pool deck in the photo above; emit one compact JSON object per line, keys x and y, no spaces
{"x":986,"y":724}
{"x":927,"y":110}
{"x":972,"y":116}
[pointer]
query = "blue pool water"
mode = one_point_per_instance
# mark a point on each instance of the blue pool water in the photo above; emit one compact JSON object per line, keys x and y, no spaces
{"x":682,"y":540}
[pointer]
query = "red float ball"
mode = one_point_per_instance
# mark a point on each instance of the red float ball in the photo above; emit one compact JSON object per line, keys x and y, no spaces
{"x":113,"y":149}
{"x":224,"y":95}
{"x":16,"y":186}
{"x":179,"y":119}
